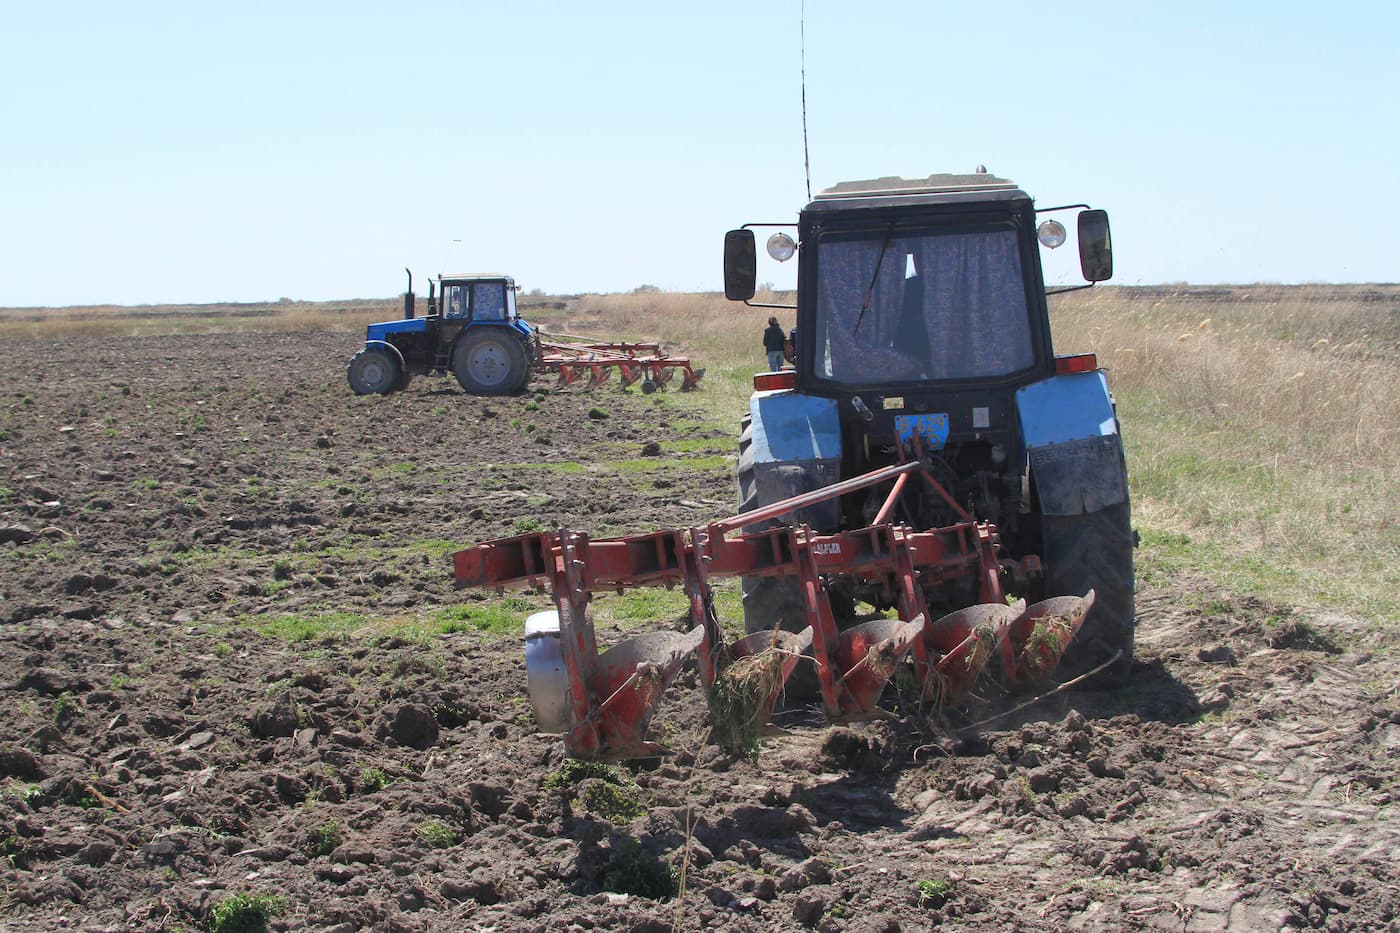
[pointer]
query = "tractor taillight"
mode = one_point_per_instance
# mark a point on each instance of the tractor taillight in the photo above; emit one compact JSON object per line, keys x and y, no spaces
{"x":1079,"y":363}
{"x":768,"y":382}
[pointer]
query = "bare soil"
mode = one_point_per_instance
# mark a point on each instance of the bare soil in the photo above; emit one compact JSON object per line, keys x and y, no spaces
{"x":163,"y":499}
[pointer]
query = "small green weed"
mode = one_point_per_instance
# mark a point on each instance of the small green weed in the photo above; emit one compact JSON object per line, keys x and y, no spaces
{"x":616,"y":803}
{"x":373,"y":779}
{"x":631,"y":871}
{"x":574,"y":770}
{"x":437,"y":834}
{"x":324,"y":839}
{"x":245,"y":913}
{"x":15,"y":850}
{"x":932,"y":894}
{"x":65,"y":707}
{"x":20,"y":790}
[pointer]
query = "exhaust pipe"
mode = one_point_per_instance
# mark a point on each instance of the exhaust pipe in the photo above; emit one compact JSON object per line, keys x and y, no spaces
{"x":408,"y":295}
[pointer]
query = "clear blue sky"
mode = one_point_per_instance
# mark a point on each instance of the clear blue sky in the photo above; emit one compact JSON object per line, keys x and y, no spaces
{"x":173,"y":152}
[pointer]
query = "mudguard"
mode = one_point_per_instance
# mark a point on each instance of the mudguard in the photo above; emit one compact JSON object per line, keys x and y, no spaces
{"x":1071,"y":435}
{"x":388,"y":348}
{"x":795,"y":447}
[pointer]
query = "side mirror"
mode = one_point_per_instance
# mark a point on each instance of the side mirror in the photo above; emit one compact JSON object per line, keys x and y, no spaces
{"x":740,"y":265}
{"x":1095,"y":246}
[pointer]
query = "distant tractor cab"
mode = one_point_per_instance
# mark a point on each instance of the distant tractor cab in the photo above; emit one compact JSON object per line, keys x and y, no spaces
{"x":471,"y":329}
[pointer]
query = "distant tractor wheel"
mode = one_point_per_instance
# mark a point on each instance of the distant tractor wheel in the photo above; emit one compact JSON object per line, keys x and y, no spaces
{"x":373,"y":372}
{"x":490,"y":361}
{"x":1094,"y":551}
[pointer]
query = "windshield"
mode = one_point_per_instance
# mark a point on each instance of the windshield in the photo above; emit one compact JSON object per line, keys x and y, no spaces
{"x":915,"y":307}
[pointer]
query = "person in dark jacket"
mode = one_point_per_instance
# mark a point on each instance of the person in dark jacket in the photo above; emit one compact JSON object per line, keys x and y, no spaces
{"x":773,"y":340}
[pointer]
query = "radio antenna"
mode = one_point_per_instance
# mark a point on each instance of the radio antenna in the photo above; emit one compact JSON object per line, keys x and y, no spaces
{"x":806,"y":157}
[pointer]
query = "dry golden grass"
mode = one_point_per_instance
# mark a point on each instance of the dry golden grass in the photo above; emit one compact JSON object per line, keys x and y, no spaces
{"x":1261,"y":425}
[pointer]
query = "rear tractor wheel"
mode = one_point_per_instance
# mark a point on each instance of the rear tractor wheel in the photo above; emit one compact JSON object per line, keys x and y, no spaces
{"x":1094,"y":551}
{"x":491,"y":361}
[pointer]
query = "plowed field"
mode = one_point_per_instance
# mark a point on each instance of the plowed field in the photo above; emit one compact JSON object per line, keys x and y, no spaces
{"x":232,"y":662}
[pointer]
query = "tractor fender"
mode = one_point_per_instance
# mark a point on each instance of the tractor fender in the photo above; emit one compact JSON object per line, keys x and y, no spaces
{"x":387,"y":347}
{"x":1070,"y":430}
{"x":793,"y":446}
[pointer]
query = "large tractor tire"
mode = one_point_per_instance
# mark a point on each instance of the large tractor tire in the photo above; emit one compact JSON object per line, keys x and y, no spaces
{"x":373,"y":371}
{"x":1094,"y":551}
{"x":771,"y":602}
{"x":768,"y":601}
{"x":491,"y":361}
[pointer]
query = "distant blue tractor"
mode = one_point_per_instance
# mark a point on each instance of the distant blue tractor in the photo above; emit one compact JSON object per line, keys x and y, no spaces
{"x":923,"y":332}
{"x":472,"y":331}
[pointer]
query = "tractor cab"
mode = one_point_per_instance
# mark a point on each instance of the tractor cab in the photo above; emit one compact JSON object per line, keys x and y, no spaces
{"x":472,"y":330}
{"x":477,"y":298}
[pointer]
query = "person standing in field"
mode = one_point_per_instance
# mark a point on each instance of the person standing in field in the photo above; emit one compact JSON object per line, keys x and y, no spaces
{"x":773,"y":342}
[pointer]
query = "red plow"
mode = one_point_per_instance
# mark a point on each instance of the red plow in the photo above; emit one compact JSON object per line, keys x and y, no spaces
{"x":577,"y":357}
{"x":603,"y":701}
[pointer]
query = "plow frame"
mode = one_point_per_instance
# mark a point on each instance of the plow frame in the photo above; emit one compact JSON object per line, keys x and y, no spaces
{"x":645,"y":362}
{"x":609,"y":709}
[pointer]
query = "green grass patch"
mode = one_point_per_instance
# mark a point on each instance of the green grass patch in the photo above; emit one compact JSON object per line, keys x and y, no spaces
{"x":505,"y":618}
{"x":665,"y":465}
{"x":646,"y":604}
{"x":373,"y":779}
{"x":300,"y":628}
{"x":567,"y":467}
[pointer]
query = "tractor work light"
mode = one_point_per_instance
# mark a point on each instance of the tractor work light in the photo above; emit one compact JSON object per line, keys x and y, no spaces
{"x":781,"y":246}
{"x":1051,"y":234}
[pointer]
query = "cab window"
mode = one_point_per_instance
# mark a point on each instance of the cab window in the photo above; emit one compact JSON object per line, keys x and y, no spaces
{"x":488,"y":301}
{"x":454,"y":301}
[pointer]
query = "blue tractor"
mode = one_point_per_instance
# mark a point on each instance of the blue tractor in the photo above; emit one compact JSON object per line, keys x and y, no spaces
{"x":471,"y":329}
{"x":923,"y":332}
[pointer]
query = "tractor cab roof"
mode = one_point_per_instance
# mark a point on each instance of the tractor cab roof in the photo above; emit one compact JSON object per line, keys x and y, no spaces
{"x":891,"y":191}
{"x":475,"y":277}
